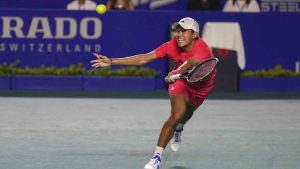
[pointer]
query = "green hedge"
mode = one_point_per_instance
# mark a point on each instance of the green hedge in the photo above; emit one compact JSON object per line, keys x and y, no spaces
{"x":4,"y":69}
{"x":277,"y":71}
{"x":73,"y":70}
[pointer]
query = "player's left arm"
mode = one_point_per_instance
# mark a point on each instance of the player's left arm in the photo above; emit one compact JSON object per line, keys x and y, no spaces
{"x":135,"y":60}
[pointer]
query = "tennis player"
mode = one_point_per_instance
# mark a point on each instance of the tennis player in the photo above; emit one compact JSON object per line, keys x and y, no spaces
{"x":186,"y":49}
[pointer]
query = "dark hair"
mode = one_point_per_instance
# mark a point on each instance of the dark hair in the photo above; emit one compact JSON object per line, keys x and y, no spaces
{"x":247,"y":2}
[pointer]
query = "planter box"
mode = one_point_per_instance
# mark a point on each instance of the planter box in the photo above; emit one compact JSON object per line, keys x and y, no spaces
{"x":93,"y":83}
{"x":270,"y":84}
{"x":4,"y":82}
{"x":77,"y":83}
{"x":35,"y":82}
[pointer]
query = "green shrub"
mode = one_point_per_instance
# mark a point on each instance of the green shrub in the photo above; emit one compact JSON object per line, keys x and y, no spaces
{"x":277,"y":71}
{"x":6,"y":69}
{"x":73,"y":70}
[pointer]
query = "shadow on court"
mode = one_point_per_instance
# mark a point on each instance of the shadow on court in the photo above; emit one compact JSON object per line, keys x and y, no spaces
{"x":178,"y":167}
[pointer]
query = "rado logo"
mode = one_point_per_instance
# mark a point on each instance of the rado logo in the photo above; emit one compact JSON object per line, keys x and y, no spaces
{"x":39,"y":27}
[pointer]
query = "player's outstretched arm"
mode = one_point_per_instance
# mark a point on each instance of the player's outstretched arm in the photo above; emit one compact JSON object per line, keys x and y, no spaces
{"x":136,"y":60}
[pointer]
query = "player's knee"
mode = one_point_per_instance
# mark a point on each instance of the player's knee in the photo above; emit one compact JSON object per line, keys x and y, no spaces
{"x":175,"y":118}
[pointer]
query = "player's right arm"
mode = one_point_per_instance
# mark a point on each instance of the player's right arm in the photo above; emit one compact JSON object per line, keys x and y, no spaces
{"x":136,"y":60}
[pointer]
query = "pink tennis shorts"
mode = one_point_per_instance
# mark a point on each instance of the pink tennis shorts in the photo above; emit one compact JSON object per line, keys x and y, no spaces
{"x":196,"y":93}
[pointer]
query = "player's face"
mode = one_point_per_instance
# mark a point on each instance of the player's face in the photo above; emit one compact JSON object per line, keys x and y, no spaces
{"x":185,"y":38}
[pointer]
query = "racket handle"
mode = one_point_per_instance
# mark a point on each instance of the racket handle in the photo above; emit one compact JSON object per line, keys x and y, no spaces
{"x":175,"y":77}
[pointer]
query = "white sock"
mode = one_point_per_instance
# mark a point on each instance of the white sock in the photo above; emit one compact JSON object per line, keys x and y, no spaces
{"x":158,"y":150}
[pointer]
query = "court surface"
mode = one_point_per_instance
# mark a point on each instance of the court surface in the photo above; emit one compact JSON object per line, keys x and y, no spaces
{"x":95,"y":133}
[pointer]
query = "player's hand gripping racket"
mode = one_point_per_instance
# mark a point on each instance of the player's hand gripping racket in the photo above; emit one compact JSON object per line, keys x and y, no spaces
{"x":198,"y":73}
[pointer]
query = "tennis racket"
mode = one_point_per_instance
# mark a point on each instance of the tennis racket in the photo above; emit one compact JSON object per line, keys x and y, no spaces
{"x":198,"y":73}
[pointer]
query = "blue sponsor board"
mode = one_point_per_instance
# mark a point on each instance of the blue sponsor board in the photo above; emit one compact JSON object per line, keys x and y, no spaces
{"x":67,"y":37}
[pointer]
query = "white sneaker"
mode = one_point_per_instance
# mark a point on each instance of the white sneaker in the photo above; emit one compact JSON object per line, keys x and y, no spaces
{"x":176,"y":140}
{"x":154,"y":162}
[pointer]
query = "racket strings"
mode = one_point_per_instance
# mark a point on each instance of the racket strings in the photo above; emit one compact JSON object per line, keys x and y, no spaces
{"x":202,"y":71}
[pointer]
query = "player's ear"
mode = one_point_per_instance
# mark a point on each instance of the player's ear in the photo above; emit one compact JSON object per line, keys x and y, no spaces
{"x":195,"y":35}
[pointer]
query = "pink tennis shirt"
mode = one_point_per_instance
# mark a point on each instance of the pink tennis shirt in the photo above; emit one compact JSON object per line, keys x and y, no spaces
{"x":195,"y":92}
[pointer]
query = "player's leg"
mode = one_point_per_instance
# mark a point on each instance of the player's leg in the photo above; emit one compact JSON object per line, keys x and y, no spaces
{"x":177,"y":136}
{"x":196,"y":95}
{"x":178,"y":110}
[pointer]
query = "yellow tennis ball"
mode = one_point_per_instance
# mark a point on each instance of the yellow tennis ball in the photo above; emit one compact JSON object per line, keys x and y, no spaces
{"x":101,"y":9}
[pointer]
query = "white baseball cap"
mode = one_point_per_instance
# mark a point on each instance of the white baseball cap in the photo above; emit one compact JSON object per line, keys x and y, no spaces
{"x":187,"y":23}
